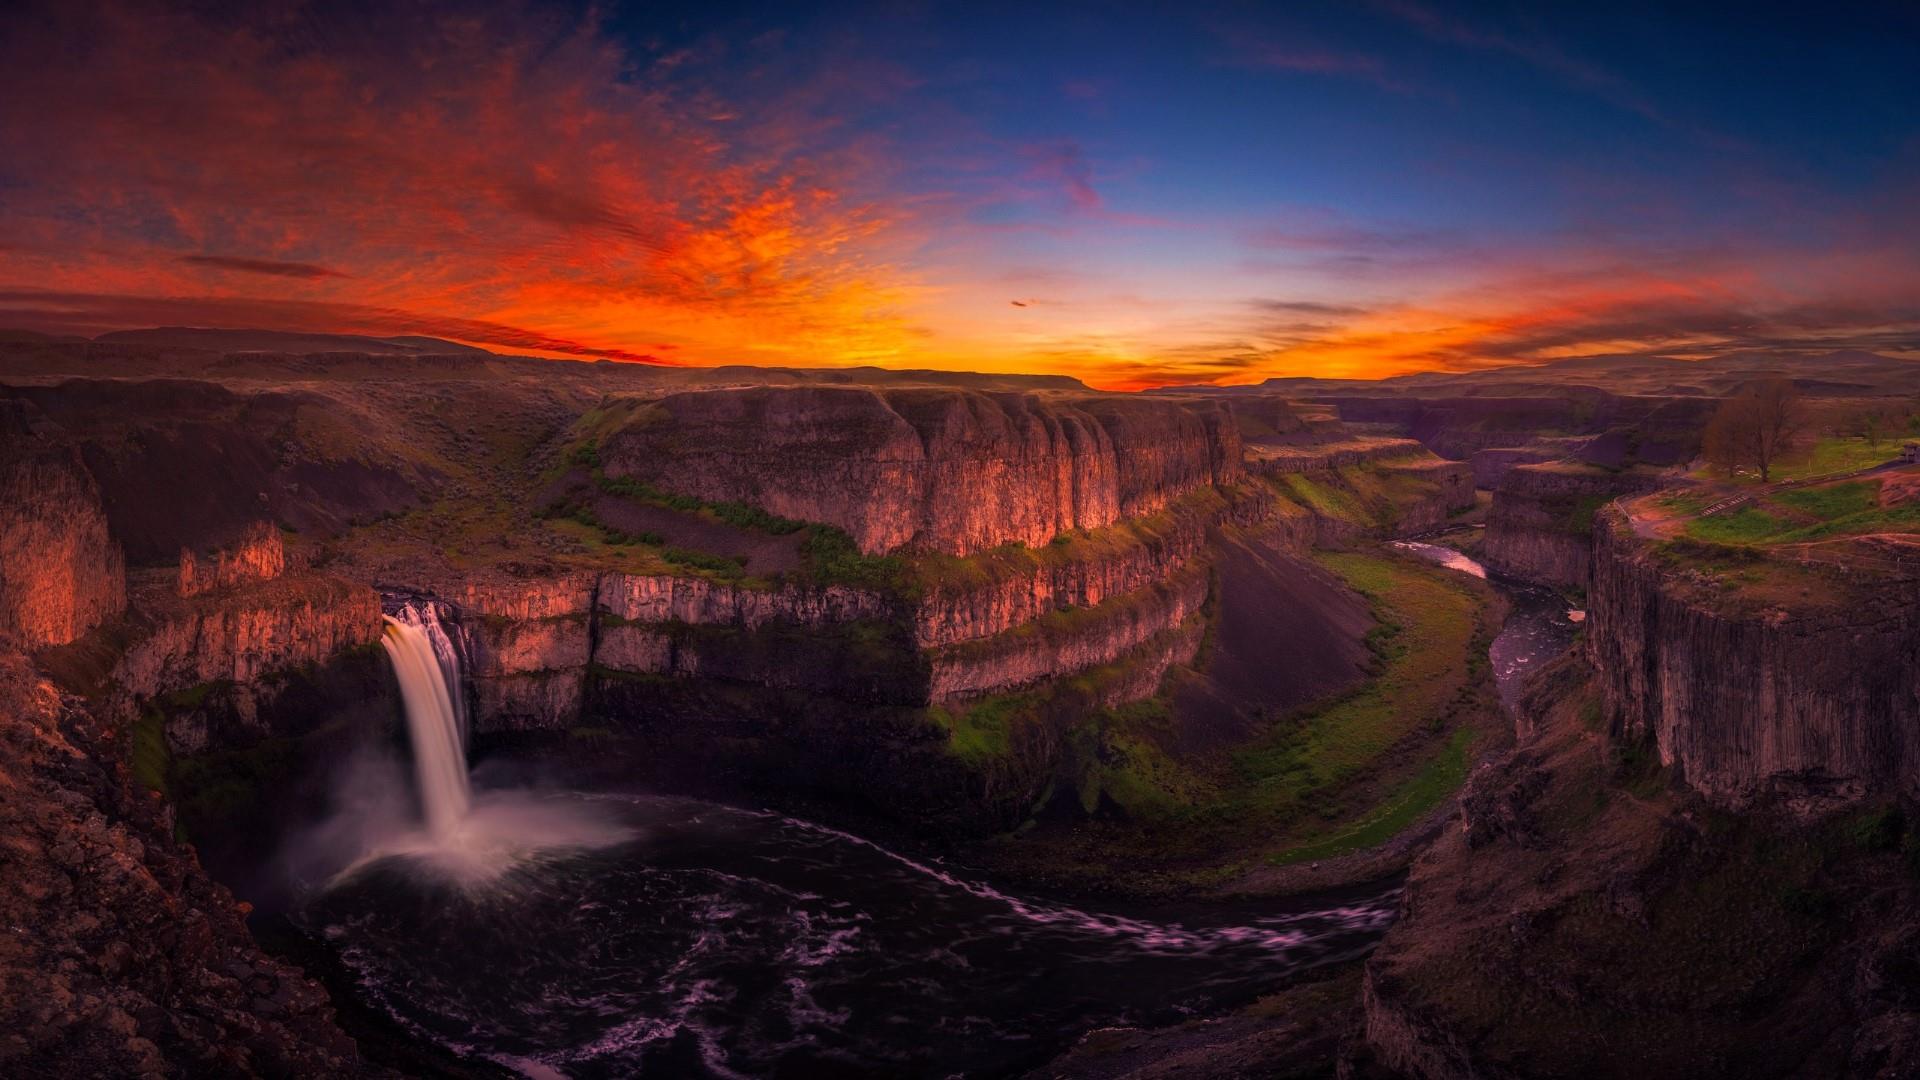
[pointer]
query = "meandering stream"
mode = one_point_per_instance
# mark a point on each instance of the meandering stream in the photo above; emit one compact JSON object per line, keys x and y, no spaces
{"x":1539,"y":624}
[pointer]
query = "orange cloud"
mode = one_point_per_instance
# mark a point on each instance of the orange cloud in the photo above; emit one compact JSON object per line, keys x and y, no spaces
{"x":507,"y":170}
{"x":514,"y":178}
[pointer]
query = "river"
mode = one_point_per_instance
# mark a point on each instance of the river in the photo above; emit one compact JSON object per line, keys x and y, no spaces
{"x":1539,"y":624}
{"x":717,"y":941}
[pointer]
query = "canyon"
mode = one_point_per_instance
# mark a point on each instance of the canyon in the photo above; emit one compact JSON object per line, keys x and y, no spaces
{"x":1058,"y":631}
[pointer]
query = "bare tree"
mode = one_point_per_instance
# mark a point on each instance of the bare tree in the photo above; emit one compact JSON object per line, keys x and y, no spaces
{"x":1755,"y":427}
{"x":1873,"y":427}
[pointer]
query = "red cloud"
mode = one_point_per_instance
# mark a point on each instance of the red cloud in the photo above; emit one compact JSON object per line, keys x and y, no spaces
{"x":508,"y":169}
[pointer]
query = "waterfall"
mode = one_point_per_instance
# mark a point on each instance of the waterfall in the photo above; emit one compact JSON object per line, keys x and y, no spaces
{"x":426,"y":616}
{"x":429,"y":689}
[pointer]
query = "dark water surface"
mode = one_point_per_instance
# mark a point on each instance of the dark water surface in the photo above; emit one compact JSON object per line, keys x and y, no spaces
{"x":726,"y":942}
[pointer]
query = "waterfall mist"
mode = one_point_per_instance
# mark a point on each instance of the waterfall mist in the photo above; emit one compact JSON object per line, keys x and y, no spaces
{"x":438,"y":824}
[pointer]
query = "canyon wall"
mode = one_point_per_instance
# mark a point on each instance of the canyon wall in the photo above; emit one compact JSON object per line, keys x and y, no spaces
{"x":258,"y":555}
{"x":1817,"y":695}
{"x":536,"y":649}
{"x":1274,"y":459}
{"x":1540,"y":527}
{"x":936,"y":469}
{"x":61,"y":574}
{"x":223,"y":656}
{"x":122,"y":958}
{"x":1491,"y":466}
{"x":535,"y":646}
{"x":1067,"y":642}
{"x":1447,"y":489}
{"x":1002,"y":590}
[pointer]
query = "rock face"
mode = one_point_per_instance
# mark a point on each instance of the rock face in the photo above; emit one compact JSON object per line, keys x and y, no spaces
{"x":536,"y":651}
{"x":1751,"y":701}
{"x":259,"y":555}
{"x":1069,"y":642}
{"x":534,"y":645}
{"x":123,"y":958}
{"x":936,"y":469}
{"x":1006,"y":594}
{"x":1540,"y":527}
{"x":1586,"y":918}
{"x":1491,"y":466}
{"x":60,"y":573}
{"x":1451,"y":491}
{"x":243,"y":635}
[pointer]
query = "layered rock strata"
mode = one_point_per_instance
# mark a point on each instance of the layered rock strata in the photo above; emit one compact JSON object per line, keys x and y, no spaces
{"x":259,"y":555}
{"x":935,"y":469}
{"x":61,"y":574}
{"x":1540,"y":527}
{"x":1817,"y":695}
{"x":1066,"y":642}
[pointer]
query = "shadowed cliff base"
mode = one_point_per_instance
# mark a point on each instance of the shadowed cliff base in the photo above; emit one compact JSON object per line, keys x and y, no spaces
{"x":1232,"y":783}
{"x":1594,"y":918}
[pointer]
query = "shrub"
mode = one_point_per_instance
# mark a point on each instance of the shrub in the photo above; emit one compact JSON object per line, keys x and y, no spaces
{"x":1879,"y":830}
{"x":700,"y":560}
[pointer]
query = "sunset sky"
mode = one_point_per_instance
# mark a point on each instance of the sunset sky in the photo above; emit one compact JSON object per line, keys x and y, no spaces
{"x":1132,"y":195}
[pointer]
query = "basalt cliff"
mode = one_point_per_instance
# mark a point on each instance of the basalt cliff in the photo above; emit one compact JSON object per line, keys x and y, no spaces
{"x":1803,"y":684}
{"x":936,"y":469}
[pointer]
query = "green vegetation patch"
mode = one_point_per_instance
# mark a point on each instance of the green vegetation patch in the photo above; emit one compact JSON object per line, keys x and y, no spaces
{"x":1837,"y":454}
{"x":1412,"y":801}
{"x":1371,"y":494}
{"x":1745,"y":525}
{"x":149,"y":755}
{"x":980,"y":732}
{"x":1795,"y":515}
{"x":1427,"y":634}
{"x":1578,"y":518}
{"x":1122,"y":759}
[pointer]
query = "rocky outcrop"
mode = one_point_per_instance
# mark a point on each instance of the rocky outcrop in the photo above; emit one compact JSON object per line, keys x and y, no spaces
{"x":1067,"y":642}
{"x":1811,"y":690}
{"x":241,"y":635}
{"x":211,"y":661}
{"x":664,"y":598}
{"x":1540,"y":527}
{"x":533,"y":644}
{"x":1586,"y":917}
{"x":998,"y":591}
{"x":122,"y":957}
{"x":937,"y":469}
{"x":60,"y":573}
{"x":1318,"y":457}
{"x":1435,"y":490}
{"x":259,"y":555}
{"x":536,"y":650}
{"x":1491,"y":466}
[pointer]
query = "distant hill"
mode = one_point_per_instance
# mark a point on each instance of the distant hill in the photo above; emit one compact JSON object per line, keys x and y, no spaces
{"x":1845,"y":373}
{"x":279,"y":341}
